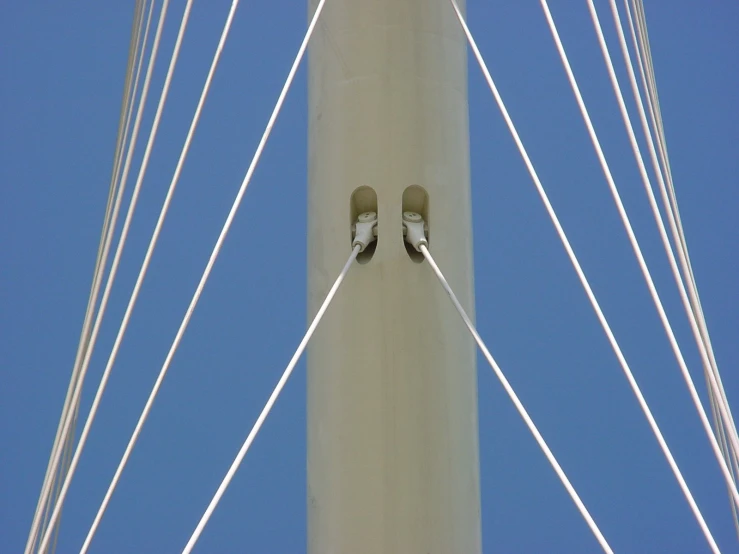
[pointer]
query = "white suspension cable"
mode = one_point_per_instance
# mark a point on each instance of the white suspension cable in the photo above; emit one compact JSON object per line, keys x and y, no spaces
{"x":637,"y":249}
{"x":651,"y":88}
{"x":203,"y":281}
{"x":717,"y":397}
{"x":149,"y":252}
{"x":710,"y":366}
{"x":98,"y":268}
{"x":113,"y":206}
{"x":673,"y":216}
{"x":518,"y":404}
{"x":268,"y":406}
{"x":51,"y":477}
{"x":650,"y":84}
{"x":66,"y":456}
{"x":586,"y":285}
{"x":96,"y":285}
{"x":646,"y":70}
{"x":645,"y":62}
{"x":669,"y":201}
{"x":131,"y":207}
{"x":723,"y":407}
{"x":728,"y":454}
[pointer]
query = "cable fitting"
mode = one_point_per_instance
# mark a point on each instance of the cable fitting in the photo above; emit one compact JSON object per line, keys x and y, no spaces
{"x":415,"y":230}
{"x":364,"y":230}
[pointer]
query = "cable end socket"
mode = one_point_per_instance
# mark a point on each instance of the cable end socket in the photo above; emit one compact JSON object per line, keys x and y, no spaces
{"x":415,"y":230}
{"x":365,"y":230}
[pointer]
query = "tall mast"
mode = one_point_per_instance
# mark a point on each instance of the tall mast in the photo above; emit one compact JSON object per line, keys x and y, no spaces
{"x":392,"y":388}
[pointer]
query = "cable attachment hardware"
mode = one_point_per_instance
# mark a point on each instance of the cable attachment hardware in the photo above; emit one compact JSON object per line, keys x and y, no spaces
{"x":415,"y":230}
{"x":364,"y":230}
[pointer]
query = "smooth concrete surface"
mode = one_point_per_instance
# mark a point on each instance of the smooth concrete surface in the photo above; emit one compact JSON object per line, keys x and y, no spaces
{"x":392,"y":387}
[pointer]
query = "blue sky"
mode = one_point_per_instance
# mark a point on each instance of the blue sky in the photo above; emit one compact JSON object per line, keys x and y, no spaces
{"x":62,"y":70}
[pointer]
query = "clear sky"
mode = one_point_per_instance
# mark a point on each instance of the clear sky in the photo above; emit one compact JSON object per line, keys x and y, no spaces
{"x":62,"y":67}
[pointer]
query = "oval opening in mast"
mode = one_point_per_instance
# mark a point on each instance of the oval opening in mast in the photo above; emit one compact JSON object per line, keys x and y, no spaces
{"x":363,"y":200}
{"x":416,"y":199}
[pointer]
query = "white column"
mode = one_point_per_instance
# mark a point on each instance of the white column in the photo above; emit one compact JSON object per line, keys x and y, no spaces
{"x":392,"y":388}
